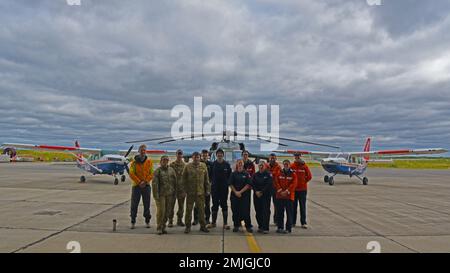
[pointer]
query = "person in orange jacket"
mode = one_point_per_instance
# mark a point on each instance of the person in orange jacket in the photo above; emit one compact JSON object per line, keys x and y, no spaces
{"x":141,"y":174}
{"x":274,"y":168}
{"x":303,"y":177}
{"x":285,"y":183}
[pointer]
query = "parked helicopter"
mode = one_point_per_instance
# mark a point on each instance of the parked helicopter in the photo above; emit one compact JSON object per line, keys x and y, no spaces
{"x":232,"y":149}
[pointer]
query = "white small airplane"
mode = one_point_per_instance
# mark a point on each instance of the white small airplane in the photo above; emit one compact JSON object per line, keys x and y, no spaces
{"x":98,"y":162}
{"x":356,"y":163}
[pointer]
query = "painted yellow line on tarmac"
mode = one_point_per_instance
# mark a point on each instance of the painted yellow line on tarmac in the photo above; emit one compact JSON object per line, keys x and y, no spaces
{"x":251,"y":241}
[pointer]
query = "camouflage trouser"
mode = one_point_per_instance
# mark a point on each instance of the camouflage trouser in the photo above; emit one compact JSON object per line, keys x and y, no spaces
{"x":199,"y":201}
{"x":180,"y":199}
{"x":162,"y":211}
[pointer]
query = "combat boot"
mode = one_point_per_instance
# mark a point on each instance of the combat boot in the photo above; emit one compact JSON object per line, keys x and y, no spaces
{"x":204,"y":229}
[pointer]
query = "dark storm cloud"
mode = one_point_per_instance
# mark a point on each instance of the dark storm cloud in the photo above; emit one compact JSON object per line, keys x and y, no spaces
{"x":109,"y":71}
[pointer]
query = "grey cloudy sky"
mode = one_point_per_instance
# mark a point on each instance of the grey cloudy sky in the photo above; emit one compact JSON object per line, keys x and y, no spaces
{"x":111,"y":70}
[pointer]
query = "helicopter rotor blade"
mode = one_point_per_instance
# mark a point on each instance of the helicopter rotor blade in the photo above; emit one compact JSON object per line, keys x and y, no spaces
{"x":271,"y":141}
{"x":290,"y":139}
{"x":164,"y":139}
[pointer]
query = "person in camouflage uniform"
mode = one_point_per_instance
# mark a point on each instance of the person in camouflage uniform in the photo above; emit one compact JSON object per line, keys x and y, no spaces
{"x":196,"y":184}
{"x":208,"y":163}
{"x":180,"y":196}
{"x":164,"y":182}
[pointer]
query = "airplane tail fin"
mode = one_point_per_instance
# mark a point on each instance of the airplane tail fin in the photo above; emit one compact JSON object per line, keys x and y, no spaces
{"x":79,"y":155}
{"x":367,"y":149}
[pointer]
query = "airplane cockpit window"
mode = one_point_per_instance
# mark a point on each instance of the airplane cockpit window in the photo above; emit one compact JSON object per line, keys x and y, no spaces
{"x":114,"y":159}
{"x":94,"y":157}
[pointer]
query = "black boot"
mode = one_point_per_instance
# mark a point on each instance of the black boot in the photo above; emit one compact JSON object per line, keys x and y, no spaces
{"x":214,"y":219}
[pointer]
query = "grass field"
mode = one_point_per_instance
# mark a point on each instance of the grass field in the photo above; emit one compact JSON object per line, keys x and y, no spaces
{"x":404,"y":163}
{"x":43,"y":156}
{"x":419,"y":163}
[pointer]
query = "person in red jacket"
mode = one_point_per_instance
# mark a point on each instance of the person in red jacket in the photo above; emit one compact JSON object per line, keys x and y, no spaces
{"x":303,"y":177}
{"x":285,"y":183}
{"x":274,"y":168}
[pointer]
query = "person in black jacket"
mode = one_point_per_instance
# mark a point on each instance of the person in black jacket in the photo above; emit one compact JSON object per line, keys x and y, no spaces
{"x":262,"y":192}
{"x":240,"y":185}
{"x":220,"y":173}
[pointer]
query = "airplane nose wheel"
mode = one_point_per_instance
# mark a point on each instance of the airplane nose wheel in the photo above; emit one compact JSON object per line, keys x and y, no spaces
{"x":326,"y":178}
{"x":365,"y":181}
{"x":331,"y":181}
{"x":116,"y":181}
{"x":122,"y":178}
{"x":82,"y":179}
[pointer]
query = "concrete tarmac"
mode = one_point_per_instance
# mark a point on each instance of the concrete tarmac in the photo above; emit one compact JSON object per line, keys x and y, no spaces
{"x":43,"y":208}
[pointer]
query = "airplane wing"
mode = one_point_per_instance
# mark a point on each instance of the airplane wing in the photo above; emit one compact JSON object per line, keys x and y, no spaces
{"x":67,"y":149}
{"x":377,"y":154}
{"x":404,"y":152}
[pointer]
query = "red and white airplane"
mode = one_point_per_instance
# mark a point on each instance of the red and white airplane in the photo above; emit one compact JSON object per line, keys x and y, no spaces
{"x":356,"y":163}
{"x":97,"y":162}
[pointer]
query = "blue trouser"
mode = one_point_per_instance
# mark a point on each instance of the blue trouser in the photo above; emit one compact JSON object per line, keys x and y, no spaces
{"x":136,"y":193}
{"x":300,"y":198}
{"x":282,"y":206}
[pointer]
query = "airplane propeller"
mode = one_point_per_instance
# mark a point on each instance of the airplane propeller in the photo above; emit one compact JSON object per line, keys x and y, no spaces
{"x":126,"y":159}
{"x":129,"y":151}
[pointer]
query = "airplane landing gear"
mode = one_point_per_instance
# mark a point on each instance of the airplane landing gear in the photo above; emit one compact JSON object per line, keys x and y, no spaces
{"x":82,"y":179}
{"x":326,"y":178}
{"x":331,"y":181}
{"x":122,"y":178}
{"x":365,"y":181}
{"x":116,"y":181}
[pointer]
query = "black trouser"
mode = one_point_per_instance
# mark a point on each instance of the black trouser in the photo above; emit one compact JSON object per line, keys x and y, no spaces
{"x":262,"y":209}
{"x":136,"y":193}
{"x":300,"y":198}
{"x":207,"y":209}
{"x":219,"y":198}
{"x":274,"y":200}
{"x":241,"y":209}
{"x":282,"y":206}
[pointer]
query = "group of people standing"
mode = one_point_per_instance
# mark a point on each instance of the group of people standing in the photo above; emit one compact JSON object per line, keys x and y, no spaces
{"x":193,"y":185}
